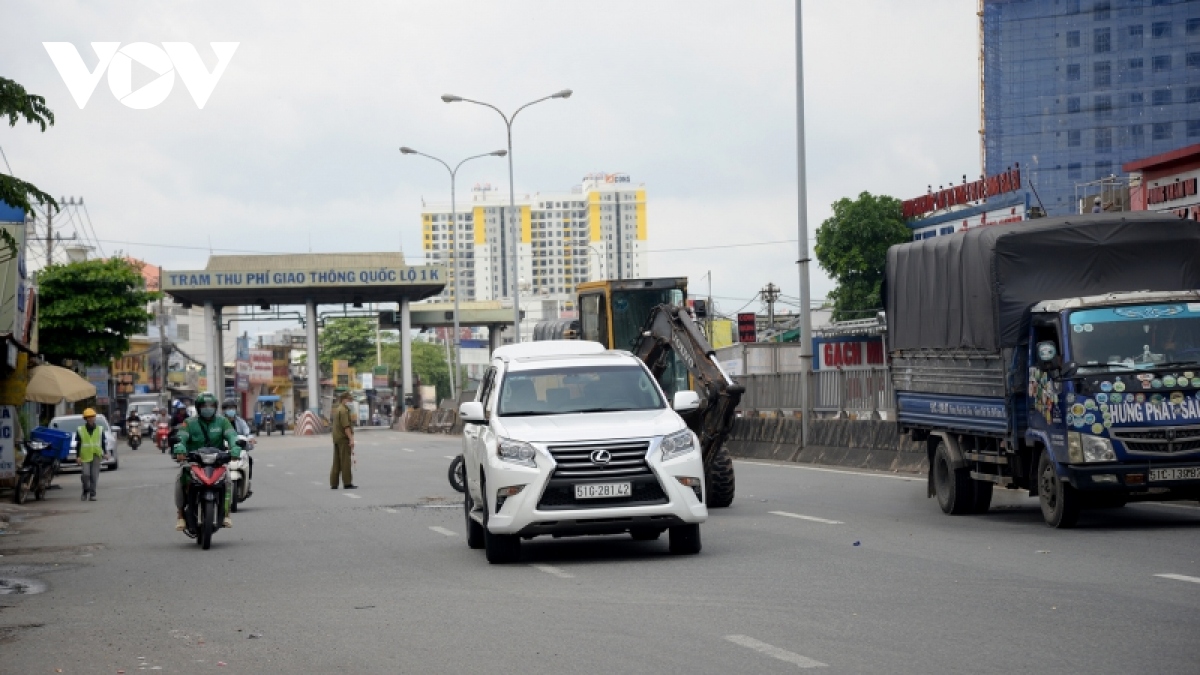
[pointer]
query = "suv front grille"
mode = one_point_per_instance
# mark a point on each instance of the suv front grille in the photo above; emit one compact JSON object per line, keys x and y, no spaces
{"x":1159,"y":441}
{"x":628,"y":459}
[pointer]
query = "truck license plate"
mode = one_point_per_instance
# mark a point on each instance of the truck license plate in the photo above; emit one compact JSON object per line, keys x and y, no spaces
{"x":603,"y":490}
{"x":1175,"y":474}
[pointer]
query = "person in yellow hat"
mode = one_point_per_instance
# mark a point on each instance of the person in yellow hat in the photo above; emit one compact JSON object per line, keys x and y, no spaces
{"x":91,"y":448}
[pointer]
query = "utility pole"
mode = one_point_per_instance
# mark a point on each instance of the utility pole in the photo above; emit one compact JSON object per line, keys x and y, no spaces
{"x":802,"y":260}
{"x":49,"y":237}
{"x":770,"y":294}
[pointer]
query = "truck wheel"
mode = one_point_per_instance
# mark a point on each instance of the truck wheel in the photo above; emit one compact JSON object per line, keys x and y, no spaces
{"x":719,"y":483}
{"x":684,"y":539}
{"x":499,"y":549}
{"x":983,"y":496}
{"x":1060,"y":501}
{"x":954,"y":489}
{"x":474,"y":529}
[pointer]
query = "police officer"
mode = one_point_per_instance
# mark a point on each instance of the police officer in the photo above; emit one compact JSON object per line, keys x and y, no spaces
{"x":343,"y":445}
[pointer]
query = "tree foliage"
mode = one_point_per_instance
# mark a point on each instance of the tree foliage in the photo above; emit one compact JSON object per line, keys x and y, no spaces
{"x":852,"y":248}
{"x":352,"y":340}
{"x":16,"y":103}
{"x":88,"y":310}
{"x":429,"y":364}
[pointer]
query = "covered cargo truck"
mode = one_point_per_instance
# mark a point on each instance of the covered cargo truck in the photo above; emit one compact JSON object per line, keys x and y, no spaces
{"x":1059,"y":356}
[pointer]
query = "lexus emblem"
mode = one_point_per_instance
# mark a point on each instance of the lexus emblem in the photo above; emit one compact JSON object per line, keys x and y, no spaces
{"x":601,"y":457}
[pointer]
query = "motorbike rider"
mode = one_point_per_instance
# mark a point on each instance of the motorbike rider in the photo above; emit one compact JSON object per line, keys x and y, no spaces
{"x":229,"y":409}
{"x":133,"y":417}
{"x":179,"y":416}
{"x":206,"y":430}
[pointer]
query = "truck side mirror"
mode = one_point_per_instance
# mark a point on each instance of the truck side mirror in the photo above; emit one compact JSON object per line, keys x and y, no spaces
{"x":1046,"y":351}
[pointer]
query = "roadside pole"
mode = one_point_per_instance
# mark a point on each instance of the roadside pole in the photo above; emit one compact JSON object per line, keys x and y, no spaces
{"x":802,"y":261}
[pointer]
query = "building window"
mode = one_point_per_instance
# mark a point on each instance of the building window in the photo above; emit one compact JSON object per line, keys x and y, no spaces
{"x":1133,"y":8}
{"x":1160,"y":29}
{"x":1162,"y":131}
{"x":1073,"y":72}
{"x":1104,"y":140}
{"x":1073,"y":38}
{"x":1193,"y":95}
{"x":1073,"y":104}
{"x":1134,"y":40}
{"x":1073,"y":138}
{"x":1161,"y":64}
{"x":1193,"y":26}
{"x":1101,"y":10}
{"x":1072,"y":6}
{"x":1137,"y":135}
{"x":1193,"y":59}
{"x":1102,"y":40}
{"x":1135,"y":69}
{"x":183,"y":331}
{"x":1102,"y":74}
{"x":1193,"y":128}
{"x":1161,"y":97}
{"x":1103,"y":169}
{"x":1103,"y":105}
{"x":1136,"y":99}
{"x":1074,"y":170}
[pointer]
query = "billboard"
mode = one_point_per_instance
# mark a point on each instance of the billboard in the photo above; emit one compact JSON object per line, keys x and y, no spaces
{"x":262,"y":368}
{"x":747,"y":328}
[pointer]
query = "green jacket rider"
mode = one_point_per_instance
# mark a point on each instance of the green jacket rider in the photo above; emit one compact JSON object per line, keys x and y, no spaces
{"x":206,"y":430}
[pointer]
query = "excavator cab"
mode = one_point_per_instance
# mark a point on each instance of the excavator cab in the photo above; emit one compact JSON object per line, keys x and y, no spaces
{"x":613,"y":312}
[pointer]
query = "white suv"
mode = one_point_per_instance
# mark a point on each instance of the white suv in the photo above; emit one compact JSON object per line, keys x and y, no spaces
{"x":567,"y":438}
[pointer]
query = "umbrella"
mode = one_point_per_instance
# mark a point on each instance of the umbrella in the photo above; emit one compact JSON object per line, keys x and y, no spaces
{"x":51,"y":384}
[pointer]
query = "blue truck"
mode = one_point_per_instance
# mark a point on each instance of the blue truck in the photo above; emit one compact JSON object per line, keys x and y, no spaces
{"x":1059,"y":357}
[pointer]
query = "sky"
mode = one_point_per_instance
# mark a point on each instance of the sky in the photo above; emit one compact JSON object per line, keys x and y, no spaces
{"x":296,"y":149}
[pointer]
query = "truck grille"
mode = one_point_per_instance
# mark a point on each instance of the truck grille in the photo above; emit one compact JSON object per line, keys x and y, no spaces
{"x":628,"y":460}
{"x":1159,"y":441}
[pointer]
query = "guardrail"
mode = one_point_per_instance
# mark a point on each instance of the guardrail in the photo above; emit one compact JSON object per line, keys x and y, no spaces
{"x":835,"y":392}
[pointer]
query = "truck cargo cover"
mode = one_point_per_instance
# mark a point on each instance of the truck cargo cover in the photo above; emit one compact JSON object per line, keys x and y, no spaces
{"x":974,"y":289}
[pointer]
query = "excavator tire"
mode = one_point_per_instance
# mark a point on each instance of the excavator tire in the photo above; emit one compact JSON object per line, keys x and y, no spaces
{"x":719,"y":481}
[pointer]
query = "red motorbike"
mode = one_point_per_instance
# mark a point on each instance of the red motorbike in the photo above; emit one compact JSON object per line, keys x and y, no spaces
{"x":162,"y":436}
{"x":204,"y":496}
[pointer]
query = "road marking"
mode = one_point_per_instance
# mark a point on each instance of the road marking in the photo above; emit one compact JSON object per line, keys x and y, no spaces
{"x":317,"y":483}
{"x":442,"y":530}
{"x":913,"y":478}
{"x":289,"y":473}
{"x":409,"y":450}
{"x":270,"y":466}
{"x":448,"y":456}
{"x":1179,"y":577}
{"x":812,"y":518}
{"x":556,"y":571}
{"x":351,"y":496}
{"x":775,"y":652}
{"x":391,"y":510}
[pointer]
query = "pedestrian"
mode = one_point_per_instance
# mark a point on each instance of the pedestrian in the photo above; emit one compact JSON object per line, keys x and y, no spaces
{"x":91,"y":447}
{"x":1096,"y":207}
{"x":343,"y":445}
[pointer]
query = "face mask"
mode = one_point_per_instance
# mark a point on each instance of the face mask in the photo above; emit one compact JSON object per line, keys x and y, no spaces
{"x":229,"y":413}
{"x":207,"y":412}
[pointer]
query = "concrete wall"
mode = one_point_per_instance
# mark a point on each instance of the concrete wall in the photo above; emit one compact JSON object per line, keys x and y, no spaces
{"x":860,"y":444}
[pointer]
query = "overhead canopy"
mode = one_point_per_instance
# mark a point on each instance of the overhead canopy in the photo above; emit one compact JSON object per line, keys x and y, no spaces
{"x":326,"y":278}
{"x":52,"y":384}
{"x":974,"y":289}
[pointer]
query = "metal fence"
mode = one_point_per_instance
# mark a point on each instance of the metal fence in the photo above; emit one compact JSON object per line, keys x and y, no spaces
{"x":835,"y":392}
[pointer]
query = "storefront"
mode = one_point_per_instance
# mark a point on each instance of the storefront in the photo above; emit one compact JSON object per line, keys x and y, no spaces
{"x":1167,"y":183}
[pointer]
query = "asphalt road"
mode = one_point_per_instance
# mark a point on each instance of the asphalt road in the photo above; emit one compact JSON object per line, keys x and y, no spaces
{"x":843,"y":571}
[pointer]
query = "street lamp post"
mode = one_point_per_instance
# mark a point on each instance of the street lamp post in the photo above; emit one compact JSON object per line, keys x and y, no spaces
{"x":454,"y":252}
{"x":512,"y":199}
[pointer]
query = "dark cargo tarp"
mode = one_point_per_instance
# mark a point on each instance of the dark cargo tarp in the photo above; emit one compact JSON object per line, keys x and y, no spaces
{"x":974,"y":289}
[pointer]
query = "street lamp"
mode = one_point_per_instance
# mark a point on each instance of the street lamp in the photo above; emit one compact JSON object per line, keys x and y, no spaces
{"x":512,"y":200}
{"x":405,"y":150}
{"x":599,"y":260}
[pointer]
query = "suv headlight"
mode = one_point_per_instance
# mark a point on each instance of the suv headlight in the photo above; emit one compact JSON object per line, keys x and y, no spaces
{"x":517,"y":452}
{"x":678,"y":444}
{"x":1085,"y":448}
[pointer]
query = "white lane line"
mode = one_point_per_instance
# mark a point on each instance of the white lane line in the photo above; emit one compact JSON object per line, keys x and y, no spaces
{"x":442,"y":530}
{"x":913,"y":477}
{"x":775,"y":652}
{"x":351,"y":496}
{"x":408,"y":450}
{"x":317,"y":483}
{"x":1179,"y":577}
{"x":812,"y":518}
{"x":556,"y":571}
{"x":289,"y":473}
{"x":391,"y":510}
{"x":270,"y":466}
{"x":448,"y":456}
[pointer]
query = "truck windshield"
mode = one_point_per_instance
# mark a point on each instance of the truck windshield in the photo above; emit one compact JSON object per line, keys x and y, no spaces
{"x":560,"y":391}
{"x":1136,"y":337}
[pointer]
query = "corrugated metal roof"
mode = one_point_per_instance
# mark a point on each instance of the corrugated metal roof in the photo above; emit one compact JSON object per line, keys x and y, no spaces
{"x":304,"y":261}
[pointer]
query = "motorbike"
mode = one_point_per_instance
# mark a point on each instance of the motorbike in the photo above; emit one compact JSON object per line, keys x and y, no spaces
{"x":458,"y":474}
{"x":36,"y":472}
{"x":134,"y":430}
{"x":204,"y":498}
{"x":241,"y":470}
{"x":162,"y":436}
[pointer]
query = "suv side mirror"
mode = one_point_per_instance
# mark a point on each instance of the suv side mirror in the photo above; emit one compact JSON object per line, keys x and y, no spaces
{"x":686,"y":401}
{"x":471,"y":412}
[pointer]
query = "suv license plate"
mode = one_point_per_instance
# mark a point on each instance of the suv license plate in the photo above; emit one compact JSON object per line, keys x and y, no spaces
{"x":603,"y":490}
{"x":1172,"y":474}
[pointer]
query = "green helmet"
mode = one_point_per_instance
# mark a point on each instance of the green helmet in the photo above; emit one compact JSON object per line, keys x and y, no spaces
{"x":206,"y":406}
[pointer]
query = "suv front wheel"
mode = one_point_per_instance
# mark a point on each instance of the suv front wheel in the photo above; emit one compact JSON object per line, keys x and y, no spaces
{"x":499,"y":549}
{"x":685,"y":539}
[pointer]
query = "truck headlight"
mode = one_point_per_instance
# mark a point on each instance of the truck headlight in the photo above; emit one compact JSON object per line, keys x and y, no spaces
{"x":517,"y":452}
{"x":1097,"y":449}
{"x":678,"y":444}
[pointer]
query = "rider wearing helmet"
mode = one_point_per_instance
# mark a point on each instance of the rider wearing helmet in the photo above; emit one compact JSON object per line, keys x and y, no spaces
{"x":206,"y":430}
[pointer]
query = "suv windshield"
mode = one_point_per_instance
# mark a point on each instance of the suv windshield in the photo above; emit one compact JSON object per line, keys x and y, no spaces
{"x":1136,"y":337}
{"x":558,"y":391}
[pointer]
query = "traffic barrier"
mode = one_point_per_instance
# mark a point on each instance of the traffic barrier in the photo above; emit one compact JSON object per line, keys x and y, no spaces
{"x":310,"y":425}
{"x":860,"y":444}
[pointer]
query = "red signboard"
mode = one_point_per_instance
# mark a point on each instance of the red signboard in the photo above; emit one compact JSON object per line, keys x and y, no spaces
{"x":261,"y":366}
{"x":1009,"y":181}
{"x":747,"y":327}
{"x":850,"y":354}
{"x":1171,"y":192}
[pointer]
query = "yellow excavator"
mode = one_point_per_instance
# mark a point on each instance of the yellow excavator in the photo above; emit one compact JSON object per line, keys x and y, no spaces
{"x":649,"y":318}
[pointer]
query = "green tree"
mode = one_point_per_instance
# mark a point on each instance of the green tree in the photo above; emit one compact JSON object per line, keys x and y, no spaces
{"x":352,"y":340}
{"x":428,"y":362}
{"x":88,"y":310}
{"x":16,"y":103}
{"x":852,"y":248}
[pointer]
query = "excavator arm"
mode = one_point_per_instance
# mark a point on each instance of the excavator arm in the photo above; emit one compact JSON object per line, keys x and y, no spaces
{"x":671,"y":329}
